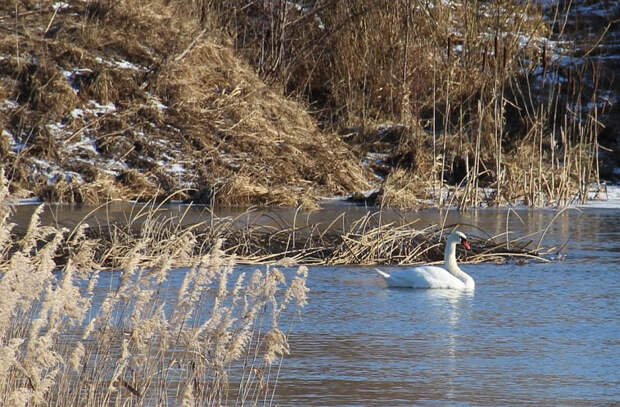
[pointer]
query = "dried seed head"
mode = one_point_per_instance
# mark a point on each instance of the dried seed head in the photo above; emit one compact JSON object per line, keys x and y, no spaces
{"x":276,"y":345}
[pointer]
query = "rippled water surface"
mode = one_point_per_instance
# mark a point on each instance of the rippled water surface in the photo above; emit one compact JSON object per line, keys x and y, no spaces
{"x":531,"y":334}
{"x":538,"y":335}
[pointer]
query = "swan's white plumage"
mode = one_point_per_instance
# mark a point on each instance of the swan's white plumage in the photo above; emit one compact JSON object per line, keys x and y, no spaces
{"x":423,"y":277}
{"x":451,"y":277}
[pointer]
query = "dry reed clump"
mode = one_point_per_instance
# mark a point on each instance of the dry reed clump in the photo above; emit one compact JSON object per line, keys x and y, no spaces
{"x":479,"y":78}
{"x":145,"y":341}
{"x":269,"y":239}
{"x":403,"y":189}
{"x":254,"y":240}
{"x":376,"y":61}
{"x":258,"y":141}
{"x":186,"y":113}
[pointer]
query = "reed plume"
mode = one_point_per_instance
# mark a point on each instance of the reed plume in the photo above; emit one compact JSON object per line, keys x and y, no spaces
{"x":146,"y":341}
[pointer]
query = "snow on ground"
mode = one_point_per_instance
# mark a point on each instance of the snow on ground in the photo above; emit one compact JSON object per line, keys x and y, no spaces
{"x":124,"y":64}
{"x":601,"y":196}
{"x":94,"y":108}
{"x":60,"y":5}
{"x":14,"y":145}
{"x":607,"y":197}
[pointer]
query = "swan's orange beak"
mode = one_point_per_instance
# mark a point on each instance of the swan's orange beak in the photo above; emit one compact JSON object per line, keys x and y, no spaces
{"x":466,"y":244}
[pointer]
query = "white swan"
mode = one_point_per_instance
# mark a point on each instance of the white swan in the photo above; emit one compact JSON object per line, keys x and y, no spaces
{"x":435,"y":277}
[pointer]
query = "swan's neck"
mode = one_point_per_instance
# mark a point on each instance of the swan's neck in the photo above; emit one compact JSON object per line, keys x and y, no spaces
{"x":453,"y":267}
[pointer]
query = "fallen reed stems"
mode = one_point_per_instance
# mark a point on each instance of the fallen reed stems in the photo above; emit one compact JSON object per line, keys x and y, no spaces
{"x":255,"y":238}
{"x":211,"y":339}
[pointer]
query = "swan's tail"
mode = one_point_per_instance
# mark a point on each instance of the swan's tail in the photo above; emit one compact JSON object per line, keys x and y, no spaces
{"x":382,"y":273}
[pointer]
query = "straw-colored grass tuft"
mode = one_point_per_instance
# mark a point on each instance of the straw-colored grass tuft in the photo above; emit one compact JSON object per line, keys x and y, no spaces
{"x":152,"y":98}
{"x":212,"y":340}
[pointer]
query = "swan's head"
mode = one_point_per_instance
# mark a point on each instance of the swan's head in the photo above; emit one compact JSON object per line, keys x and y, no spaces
{"x":459,"y":237}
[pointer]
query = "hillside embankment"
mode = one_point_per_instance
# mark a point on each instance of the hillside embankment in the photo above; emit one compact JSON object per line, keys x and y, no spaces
{"x":278,"y":103}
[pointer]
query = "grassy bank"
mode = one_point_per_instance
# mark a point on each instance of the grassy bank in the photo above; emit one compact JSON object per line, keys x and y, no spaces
{"x":136,"y":100}
{"x":460,"y":97}
{"x":277,"y":103}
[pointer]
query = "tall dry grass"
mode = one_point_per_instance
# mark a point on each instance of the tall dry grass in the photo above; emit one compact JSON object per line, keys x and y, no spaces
{"x":491,"y":110}
{"x":182,"y":110}
{"x":256,"y":93}
{"x":214,"y":339}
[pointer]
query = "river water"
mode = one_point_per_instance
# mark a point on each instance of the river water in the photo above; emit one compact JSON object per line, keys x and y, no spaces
{"x":531,"y":334}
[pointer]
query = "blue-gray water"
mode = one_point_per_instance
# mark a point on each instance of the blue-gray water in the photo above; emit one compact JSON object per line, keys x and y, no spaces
{"x":531,"y":334}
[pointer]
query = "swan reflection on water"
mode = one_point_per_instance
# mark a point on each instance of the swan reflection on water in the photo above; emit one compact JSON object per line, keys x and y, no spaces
{"x":452,"y":306}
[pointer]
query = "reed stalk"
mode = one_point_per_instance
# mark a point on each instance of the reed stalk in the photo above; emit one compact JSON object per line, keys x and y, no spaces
{"x":66,"y":340}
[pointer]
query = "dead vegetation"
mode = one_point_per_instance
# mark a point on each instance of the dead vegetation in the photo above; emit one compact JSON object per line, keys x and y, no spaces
{"x":241,"y":103}
{"x":269,"y":238}
{"x":205,"y":342}
{"x":109,"y":107}
{"x":460,"y":96}
{"x":214,"y":339}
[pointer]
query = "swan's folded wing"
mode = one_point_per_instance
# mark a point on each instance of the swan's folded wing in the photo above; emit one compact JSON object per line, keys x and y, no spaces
{"x":424,"y":277}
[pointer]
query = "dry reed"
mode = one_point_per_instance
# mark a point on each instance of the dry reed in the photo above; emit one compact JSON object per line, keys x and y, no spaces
{"x":491,"y":110}
{"x":105,"y":107}
{"x":212,"y":341}
{"x":269,"y":238}
{"x":249,"y":97}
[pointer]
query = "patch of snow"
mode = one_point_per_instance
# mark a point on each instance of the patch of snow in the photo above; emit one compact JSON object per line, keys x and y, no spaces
{"x":69,"y":177}
{"x":159,"y":142}
{"x":319,"y":22}
{"x":335,"y":198}
{"x":94,"y":108}
{"x":370,"y":192}
{"x":385,"y":128}
{"x":608,"y":197}
{"x":177,"y":168}
{"x":60,"y":5}
{"x":120,"y":64}
{"x":77,"y":113}
{"x":155,"y":101}
{"x":87,"y":144}
{"x":230,"y":161}
{"x":15,"y":146}
{"x":71,"y":75}
{"x":46,"y":168}
{"x":54,"y":172}
{"x":377,"y":158}
{"x":56,"y":129}
{"x":8,"y":104}
{"x":102,"y":109}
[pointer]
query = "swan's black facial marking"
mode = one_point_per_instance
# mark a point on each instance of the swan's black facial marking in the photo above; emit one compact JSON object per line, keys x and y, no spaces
{"x":465,"y":243}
